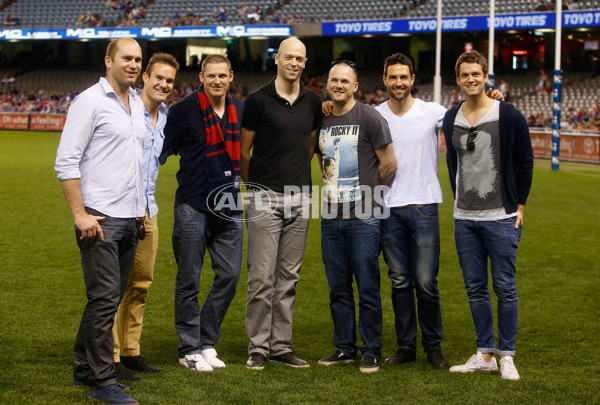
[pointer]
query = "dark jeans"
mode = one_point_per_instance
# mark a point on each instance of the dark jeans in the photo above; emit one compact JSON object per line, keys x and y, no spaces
{"x":193,"y":233}
{"x":350,"y":248}
{"x":106,"y":266}
{"x":410,"y":240}
{"x":476,"y":241}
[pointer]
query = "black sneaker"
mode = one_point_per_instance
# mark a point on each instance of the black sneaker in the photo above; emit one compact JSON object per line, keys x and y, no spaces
{"x":123,"y":373}
{"x":290,"y":359}
{"x":401,"y":356}
{"x":337,"y":357}
{"x":369,"y":364}
{"x":437,"y":359}
{"x":256,"y":361}
{"x":138,"y":363}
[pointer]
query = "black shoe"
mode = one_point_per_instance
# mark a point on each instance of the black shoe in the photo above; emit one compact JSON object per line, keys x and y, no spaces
{"x":138,"y":363}
{"x":290,"y":359}
{"x":369,"y":364}
{"x":123,"y":373}
{"x":401,"y":356}
{"x":337,"y":357}
{"x":437,"y":359}
{"x":256,"y":361}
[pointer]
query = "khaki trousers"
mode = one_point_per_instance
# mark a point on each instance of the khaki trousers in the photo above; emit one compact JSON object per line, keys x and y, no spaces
{"x":130,"y":317}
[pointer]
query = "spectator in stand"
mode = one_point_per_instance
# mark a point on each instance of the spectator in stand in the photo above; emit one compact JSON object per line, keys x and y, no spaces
{"x":530,"y":121}
{"x":583,"y":115}
{"x":254,"y":15}
{"x":541,"y":6}
{"x":378,"y":98}
{"x":360,"y":96}
{"x":128,"y":7}
{"x":456,"y":97}
{"x":504,"y":89}
{"x":81,"y":22}
{"x":551,"y":5}
{"x":276,"y":19}
{"x":574,"y":5}
{"x":241,"y":10}
{"x":221,"y":14}
{"x":189,"y":17}
{"x":542,"y":81}
{"x":595,"y":113}
{"x":112,"y":3}
{"x":567,"y":125}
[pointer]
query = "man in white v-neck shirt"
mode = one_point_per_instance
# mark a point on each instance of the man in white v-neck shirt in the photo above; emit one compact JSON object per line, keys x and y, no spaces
{"x":490,"y":163}
{"x":410,"y":237}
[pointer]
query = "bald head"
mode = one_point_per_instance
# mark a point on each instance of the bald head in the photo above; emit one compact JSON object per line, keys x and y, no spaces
{"x":291,"y":43}
{"x":290,"y":60}
{"x":114,"y":45}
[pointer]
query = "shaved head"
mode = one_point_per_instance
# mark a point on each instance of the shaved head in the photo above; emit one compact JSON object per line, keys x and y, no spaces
{"x":291,"y":43}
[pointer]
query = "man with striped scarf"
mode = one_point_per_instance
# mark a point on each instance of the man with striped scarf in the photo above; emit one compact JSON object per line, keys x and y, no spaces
{"x":204,"y":129}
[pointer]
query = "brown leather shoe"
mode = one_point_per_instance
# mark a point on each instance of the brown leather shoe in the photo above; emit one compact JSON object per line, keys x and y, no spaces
{"x":437,"y":359}
{"x":401,"y":356}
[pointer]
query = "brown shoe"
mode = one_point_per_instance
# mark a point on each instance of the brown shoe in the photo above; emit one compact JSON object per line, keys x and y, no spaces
{"x":437,"y":359}
{"x":401,"y":356}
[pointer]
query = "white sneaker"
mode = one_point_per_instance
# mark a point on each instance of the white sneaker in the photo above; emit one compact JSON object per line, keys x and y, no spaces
{"x":476,"y":363}
{"x":195,"y":362}
{"x":508,"y":371}
{"x":210,"y":355}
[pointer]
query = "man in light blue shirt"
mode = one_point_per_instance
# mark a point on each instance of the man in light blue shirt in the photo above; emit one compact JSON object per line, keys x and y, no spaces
{"x":99,"y":164}
{"x":158,"y":86}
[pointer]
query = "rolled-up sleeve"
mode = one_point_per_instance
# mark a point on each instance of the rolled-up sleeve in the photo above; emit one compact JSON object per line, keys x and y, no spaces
{"x":75,"y":137}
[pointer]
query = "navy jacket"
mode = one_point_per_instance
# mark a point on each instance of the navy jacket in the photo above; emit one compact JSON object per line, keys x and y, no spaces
{"x":516,"y":154}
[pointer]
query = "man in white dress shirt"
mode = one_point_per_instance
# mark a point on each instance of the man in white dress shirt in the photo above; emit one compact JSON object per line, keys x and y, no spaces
{"x":99,"y":163}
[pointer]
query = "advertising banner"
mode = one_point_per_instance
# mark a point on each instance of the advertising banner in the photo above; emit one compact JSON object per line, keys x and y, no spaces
{"x":467,"y":23}
{"x":14,"y":121}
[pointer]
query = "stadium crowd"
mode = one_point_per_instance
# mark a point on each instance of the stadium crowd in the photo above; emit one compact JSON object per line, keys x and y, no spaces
{"x":586,"y":119}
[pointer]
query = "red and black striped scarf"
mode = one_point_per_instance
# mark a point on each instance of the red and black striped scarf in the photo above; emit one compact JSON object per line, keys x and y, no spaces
{"x":217,"y":142}
{"x":222,"y":157}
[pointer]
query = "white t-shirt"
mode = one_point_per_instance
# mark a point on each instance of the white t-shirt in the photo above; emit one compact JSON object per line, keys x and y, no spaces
{"x":415,"y":136}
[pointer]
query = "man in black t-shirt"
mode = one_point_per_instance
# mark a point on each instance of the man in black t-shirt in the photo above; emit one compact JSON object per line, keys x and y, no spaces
{"x":280,"y":126}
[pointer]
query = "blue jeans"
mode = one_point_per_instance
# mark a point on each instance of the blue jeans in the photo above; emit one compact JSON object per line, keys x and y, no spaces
{"x":350,"y":247}
{"x":193,"y":232}
{"x":106,"y":266}
{"x":498,"y":240}
{"x":410,"y":240}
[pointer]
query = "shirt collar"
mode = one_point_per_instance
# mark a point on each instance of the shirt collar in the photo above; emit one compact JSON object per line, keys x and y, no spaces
{"x":273,"y":91}
{"x":109,"y":89}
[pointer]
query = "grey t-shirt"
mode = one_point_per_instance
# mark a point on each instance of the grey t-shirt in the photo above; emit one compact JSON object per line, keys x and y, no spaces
{"x":479,"y":176}
{"x":347,"y":144}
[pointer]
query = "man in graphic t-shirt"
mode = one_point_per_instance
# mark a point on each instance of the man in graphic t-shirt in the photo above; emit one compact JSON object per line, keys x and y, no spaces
{"x":490,"y":163}
{"x":356,"y":157}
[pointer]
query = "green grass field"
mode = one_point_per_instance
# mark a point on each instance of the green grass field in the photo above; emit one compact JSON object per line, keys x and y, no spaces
{"x":42,"y":296}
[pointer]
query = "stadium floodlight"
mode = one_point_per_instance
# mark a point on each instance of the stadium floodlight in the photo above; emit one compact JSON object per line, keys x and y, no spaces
{"x":437,"y":79}
{"x":491,"y":39}
{"x":557,"y":89}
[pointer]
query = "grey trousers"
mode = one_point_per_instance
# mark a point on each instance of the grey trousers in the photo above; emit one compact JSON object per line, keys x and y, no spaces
{"x":277,"y":230}
{"x":106,"y":267}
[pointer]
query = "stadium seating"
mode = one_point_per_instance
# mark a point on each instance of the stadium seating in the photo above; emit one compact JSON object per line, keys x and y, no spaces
{"x":64,"y":13}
